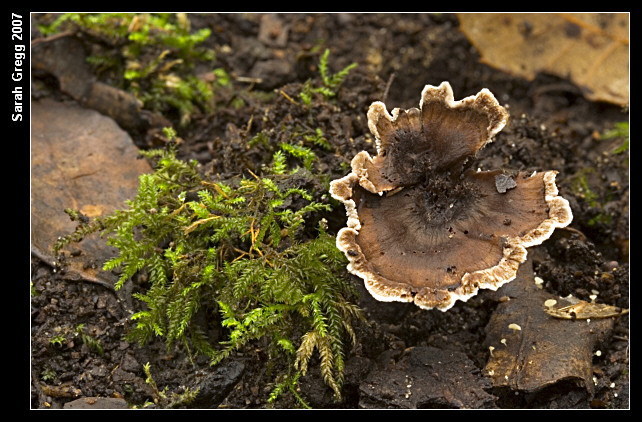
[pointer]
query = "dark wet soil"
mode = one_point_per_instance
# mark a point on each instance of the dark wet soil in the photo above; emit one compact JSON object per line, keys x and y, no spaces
{"x":551,"y":127}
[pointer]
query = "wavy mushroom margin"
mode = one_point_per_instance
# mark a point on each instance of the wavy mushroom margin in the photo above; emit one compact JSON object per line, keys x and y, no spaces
{"x":514,"y":252}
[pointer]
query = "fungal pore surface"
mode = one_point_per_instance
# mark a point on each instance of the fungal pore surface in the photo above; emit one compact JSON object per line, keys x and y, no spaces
{"x":423,"y":227}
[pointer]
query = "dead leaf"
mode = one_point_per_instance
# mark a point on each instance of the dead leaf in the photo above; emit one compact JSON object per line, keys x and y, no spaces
{"x":80,"y":159}
{"x":545,"y":351}
{"x":590,"y":49}
{"x":426,"y":377}
{"x":585,"y":310}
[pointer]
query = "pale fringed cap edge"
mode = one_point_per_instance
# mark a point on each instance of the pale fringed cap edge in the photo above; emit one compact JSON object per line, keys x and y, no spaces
{"x":514,"y":250}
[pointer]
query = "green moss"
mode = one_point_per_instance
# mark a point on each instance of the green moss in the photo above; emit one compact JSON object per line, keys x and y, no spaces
{"x":91,"y":342}
{"x":330,"y":82}
{"x":300,"y":152}
{"x":48,"y":374}
{"x":296,"y":148}
{"x":152,"y":56}
{"x":620,"y":130}
{"x":251,"y":254}
{"x":57,"y":340}
{"x":254,"y":251}
{"x":581,"y":187}
{"x":585,"y":185}
{"x":162,"y":398}
{"x":318,"y":139}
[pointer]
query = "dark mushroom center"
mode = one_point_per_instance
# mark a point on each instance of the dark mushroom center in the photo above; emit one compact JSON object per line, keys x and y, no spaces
{"x":438,"y":201}
{"x":407,"y":159}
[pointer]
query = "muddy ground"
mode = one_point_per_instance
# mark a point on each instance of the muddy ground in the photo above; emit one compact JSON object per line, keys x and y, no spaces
{"x":552,"y":126}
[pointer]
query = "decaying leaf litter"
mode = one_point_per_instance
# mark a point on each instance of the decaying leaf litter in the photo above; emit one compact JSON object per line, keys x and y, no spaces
{"x":552,"y":126}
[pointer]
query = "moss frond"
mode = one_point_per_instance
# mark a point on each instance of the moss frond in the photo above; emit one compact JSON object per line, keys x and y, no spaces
{"x":330,"y":81}
{"x":247,"y":249}
{"x":154,"y":53}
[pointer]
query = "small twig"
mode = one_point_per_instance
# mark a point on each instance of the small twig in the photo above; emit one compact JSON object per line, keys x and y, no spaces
{"x":252,"y":173}
{"x":288,"y":97}
{"x":248,"y":79}
{"x":217,"y":187}
{"x":195,"y":224}
{"x":573,"y":230}
{"x":385,"y":92}
{"x":178,"y":210}
{"x":242,"y":254}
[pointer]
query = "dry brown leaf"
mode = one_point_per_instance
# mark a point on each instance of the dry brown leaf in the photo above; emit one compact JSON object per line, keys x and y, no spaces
{"x":426,"y":377}
{"x":80,"y":159}
{"x":590,"y":49}
{"x":544,"y":351}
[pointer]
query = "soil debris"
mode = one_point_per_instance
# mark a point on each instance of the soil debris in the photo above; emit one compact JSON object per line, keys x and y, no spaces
{"x":405,"y":357}
{"x":426,"y":378}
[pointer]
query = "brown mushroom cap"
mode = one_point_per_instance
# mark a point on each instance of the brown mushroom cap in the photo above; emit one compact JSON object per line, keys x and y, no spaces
{"x":420,"y":229}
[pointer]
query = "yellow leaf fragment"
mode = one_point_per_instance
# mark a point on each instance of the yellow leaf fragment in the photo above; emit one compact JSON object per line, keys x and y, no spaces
{"x":91,"y":210}
{"x":197,"y":223}
{"x":586,"y":310}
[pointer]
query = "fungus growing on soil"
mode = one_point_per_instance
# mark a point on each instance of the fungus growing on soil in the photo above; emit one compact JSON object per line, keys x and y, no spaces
{"x":425,"y":228}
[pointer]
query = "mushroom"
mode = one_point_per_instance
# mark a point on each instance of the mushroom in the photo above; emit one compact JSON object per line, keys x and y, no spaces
{"x":425,"y":228}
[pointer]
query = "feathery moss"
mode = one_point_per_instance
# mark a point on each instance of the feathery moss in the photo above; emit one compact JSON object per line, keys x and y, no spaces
{"x":253,"y":250}
{"x":151,"y":55}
